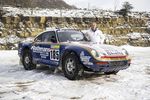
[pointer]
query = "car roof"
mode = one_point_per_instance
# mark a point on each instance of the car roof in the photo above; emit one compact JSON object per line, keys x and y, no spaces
{"x":58,"y":30}
{"x":61,"y":29}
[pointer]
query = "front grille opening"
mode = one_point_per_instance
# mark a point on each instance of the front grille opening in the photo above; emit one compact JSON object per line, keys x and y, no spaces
{"x":118,"y":63}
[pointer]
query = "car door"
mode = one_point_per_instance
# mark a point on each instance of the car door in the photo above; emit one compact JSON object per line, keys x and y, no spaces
{"x":47,"y":49}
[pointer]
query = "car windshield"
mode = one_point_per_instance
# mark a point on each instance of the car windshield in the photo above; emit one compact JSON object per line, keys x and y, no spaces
{"x":71,"y":36}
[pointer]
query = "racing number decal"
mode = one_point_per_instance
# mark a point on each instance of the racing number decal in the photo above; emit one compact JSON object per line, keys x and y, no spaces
{"x":54,"y":54}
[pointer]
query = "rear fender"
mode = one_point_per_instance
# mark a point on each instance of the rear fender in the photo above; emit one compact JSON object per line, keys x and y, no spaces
{"x":22,"y":47}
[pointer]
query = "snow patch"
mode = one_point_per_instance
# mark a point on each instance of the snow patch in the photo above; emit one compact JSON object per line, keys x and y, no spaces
{"x":41,"y":83}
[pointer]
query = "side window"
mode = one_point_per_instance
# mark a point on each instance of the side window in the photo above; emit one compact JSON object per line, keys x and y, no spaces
{"x":38,"y":39}
{"x":49,"y":37}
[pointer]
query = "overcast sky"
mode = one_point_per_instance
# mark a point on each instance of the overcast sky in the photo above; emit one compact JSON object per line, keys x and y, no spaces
{"x":139,"y":5}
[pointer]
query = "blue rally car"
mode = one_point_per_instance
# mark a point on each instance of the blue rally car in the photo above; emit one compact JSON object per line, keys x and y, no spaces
{"x":70,"y":50}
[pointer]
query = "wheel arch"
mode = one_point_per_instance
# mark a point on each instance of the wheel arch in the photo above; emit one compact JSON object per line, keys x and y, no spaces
{"x":23,"y":51}
{"x":27,"y":53}
{"x":79,"y":69}
{"x":69,"y":51}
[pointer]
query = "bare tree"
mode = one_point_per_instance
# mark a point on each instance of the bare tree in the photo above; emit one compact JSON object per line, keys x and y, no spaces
{"x":126,"y":9}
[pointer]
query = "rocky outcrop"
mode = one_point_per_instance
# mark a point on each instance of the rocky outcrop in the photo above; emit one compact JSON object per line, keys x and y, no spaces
{"x":26,"y":26}
{"x":116,"y":29}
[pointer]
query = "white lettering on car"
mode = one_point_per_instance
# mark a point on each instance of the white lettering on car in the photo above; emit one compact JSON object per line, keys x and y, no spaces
{"x":85,"y":59}
{"x":45,"y":52}
{"x":39,"y":49}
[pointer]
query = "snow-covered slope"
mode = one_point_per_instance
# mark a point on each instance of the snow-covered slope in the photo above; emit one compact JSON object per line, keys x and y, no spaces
{"x":13,"y":11}
{"x":42,"y":84}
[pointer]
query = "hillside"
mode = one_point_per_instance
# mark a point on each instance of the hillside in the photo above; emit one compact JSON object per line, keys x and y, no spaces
{"x":38,"y":3}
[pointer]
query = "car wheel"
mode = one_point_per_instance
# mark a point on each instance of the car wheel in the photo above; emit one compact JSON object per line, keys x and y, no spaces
{"x":71,"y":67}
{"x":27,"y":61}
{"x":113,"y":72}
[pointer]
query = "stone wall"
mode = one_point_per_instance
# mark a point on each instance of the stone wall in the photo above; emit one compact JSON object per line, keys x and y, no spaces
{"x":29,"y":26}
{"x":24,"y":26}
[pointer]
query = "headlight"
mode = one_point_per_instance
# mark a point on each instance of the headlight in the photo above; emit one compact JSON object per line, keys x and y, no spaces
{"x":125,"y":52}
{"x":94,"y":53}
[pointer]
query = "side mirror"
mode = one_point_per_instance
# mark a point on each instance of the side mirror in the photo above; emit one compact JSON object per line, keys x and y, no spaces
{"x":53,"y":39}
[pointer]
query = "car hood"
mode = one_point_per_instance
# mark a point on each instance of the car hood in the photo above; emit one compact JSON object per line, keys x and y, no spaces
{"x":100,"y":48}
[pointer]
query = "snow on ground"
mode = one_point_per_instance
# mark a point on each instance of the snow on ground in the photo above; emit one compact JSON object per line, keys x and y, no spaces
{"x":42,"y":84}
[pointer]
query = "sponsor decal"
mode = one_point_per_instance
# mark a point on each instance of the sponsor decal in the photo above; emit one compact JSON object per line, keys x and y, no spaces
{"x":55,"y":46}
{"x":39,"y":49}
{"x":44,"y":52}
{"x":52,"y":53}
{"x":85,"y":59}
{"x":112,"y":52}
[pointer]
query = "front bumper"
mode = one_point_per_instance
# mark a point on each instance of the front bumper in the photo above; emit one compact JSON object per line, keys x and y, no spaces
{"x":110,"y":66}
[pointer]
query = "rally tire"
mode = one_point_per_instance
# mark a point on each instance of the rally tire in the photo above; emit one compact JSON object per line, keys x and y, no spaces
{"x":71,"y":67}
{"x":27,"y":61}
